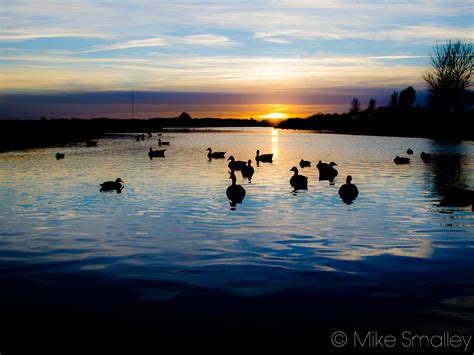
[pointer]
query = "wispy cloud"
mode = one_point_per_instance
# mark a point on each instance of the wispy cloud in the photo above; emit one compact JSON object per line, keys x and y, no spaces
{"x":206,"y":39}
{"x":138,"y":43}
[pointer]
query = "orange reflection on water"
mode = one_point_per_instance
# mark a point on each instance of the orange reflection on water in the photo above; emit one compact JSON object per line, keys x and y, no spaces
{"x":274,"y":142}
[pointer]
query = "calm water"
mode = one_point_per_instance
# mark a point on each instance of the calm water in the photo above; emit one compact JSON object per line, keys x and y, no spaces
{"x":173,"y":222}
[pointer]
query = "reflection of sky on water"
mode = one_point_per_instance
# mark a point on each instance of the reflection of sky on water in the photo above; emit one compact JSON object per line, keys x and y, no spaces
{"x":173,"y":219}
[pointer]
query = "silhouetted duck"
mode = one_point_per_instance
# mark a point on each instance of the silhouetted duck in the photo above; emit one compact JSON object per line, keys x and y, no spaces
{"x":137,"y":138}
{"x":160,"y":143}
{"x":327,"y":171}
{"x":215,"y":155}
{"x":236,"y":164}
{"x":401,"y":160}
{"x":235,"y":193}
{"x":264,"y":158}
{"x":156,"y":153}
{"x":91,"y":144}
{"x":425,"y":157}
{"x":116,"y":185}
{"x":304,"y":163}
{"x":59,"y":156}
{"x":348,"y":192}
{"x":409,"y":151}
{"x":298,"y":182}
{"x":457,"y":198}
{"x":248,"y":170}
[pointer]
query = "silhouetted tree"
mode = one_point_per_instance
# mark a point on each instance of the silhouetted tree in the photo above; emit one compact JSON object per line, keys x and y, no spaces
{"x":355,"y":106}
{"x":452,"y":64}
{"x":185,"y":116}
{"x":407,"y":98}
{"x":371,"y":105}
{"x":394,"y":100}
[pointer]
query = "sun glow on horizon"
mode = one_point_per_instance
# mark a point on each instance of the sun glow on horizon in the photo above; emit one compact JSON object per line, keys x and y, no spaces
{"x":274,"y":116}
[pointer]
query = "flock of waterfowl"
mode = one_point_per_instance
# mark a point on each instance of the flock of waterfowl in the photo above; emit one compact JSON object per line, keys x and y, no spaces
{"x":348,"y":192}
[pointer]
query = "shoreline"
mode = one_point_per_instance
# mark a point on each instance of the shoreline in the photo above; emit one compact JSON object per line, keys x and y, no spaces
{"x":19,"y":135}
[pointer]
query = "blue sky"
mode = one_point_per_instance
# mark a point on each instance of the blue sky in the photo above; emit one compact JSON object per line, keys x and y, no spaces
{"x":299,"y":56}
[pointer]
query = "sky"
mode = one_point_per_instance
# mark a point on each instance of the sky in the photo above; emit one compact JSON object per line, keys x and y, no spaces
{"x":216,"y":58}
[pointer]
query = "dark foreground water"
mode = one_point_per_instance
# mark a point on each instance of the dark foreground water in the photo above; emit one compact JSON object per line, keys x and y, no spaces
{"x":169,"y":257}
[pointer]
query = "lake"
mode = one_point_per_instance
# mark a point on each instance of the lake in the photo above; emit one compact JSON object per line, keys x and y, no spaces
{"x":171,"y":247}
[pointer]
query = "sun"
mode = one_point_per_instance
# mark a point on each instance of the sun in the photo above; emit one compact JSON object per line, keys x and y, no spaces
{"x":274,"y":115}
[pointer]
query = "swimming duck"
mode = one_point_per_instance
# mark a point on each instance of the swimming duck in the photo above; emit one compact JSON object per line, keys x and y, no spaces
{"x":248,"y":170}
{"x":304,"y":163}
{"x":327,"y":171}
{"x":235,"y":193}
{"x":457,"y":198}
{"x":348,"y":192}
{"x":215,"y":155}
{"x":264,"y":158}
{"x":426,"y":157}
{"x":298,"y":182}
{"x":116,"y":185}
{"x":91,"y":144}
{"x":59,"y":156}
{"x":160,"y":143}
{"x":236,"y":164}
{"x":409,"y":151}
{"x":401,"y":160}
{"x":156,"y":153}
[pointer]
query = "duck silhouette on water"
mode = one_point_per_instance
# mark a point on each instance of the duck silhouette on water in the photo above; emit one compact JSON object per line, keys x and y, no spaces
{"x":304,"y":163}
{"x":327,"y":171}
{"x":59,"y":156}
{"x":215,"y":155}
{"x":235,"y":193}
{"x":116,"y":185}
{"x":457,"y":198}
{"x":426,"y":157}
{"x":401,"y":160}
{"x":348,"y":192}
{"x":248,"y":171}
{"x":298,"y":182}
{"x":409,"y":151}
{"x":236,"y":164}
{"x":156,"y":153}
{"x":264,"y":158}
{"x":160,"y":143}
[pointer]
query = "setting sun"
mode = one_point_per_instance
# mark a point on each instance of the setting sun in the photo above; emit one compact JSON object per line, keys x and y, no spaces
{"x":274,"y":115}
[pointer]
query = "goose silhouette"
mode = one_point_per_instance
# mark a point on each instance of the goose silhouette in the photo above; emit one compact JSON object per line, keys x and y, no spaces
{"x":160,"y":143}
{"x":401,"y":160}
{"x":327,"y":171}
{"x":457,"y":198}
{"x":409,"y":151}
{"x":304,"y":163}
{"x":59,"y":156}
{"x":248,"y":170}
{"x":264,"y":158}
{"x":116,"y":185}
{"x":215,"y":155}
{"x":348,"y":192}
{"x":298,"y":182}
{"x":426,"y":157}
{"x":156,"y":153}
{"x":236,"y":164}
{"x":235,"y":193}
